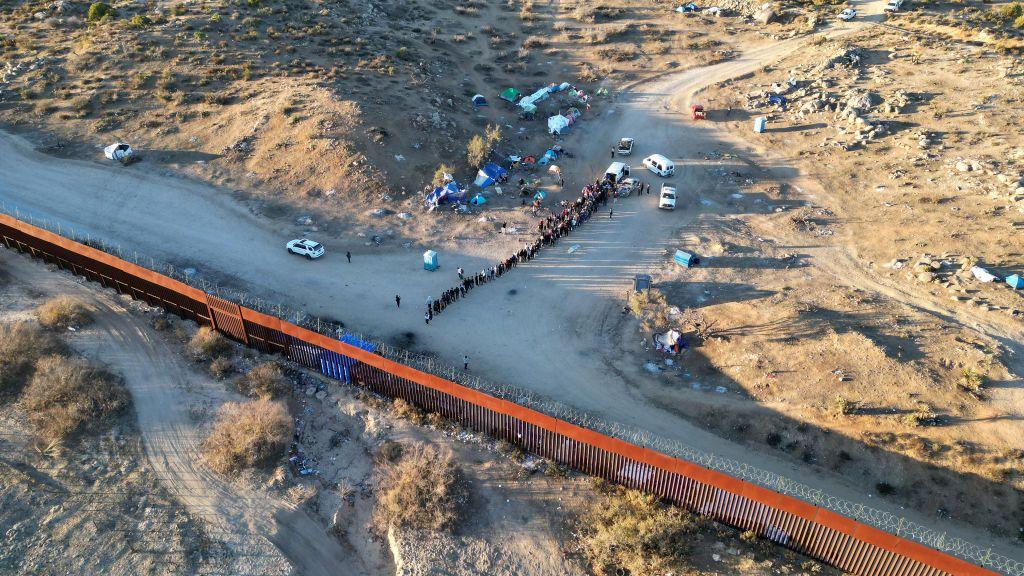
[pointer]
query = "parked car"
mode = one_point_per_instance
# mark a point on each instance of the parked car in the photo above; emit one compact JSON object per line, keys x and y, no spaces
{"x":667,"y":198}
{"x":847,"y":14}
{"x":616,"y":172}
{"x":306,"y":247}
{"x":625,"y":147}
{"x":894,"y":6}
{"x":660,"y":165}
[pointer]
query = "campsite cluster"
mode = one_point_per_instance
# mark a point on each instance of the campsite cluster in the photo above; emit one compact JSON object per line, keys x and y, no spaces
{"x":549,"y":230}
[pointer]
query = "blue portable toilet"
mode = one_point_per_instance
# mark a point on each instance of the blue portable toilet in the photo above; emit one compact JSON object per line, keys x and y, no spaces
{"x":685,"y":259}
{"x":760,"y":124}
{"x":1015,"y":281}
{"x":430,"y":260}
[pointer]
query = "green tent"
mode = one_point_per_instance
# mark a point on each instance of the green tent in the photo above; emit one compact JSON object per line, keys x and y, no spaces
{"x":511,"y":95}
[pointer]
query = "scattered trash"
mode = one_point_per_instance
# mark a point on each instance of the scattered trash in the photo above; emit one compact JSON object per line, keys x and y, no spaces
{"x":721,"y":389}
{"x":651,"y":367}
{"x":574,"y":248}
{"x":982,"y":274}
{"x":118,"y":151}
{"x":399,"y":158}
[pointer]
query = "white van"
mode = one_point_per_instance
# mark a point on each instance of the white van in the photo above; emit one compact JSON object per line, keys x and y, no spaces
{"x":616,"y":172}
{"x":660,"y":165}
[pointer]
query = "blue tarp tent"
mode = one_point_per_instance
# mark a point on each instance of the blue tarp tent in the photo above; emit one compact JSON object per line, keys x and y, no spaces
{"x":478,"y":200}
{"x":450,"y":192}
{"x":778,"y":100}
{"x":1015,"y":281}
{"x":479,"y":101}
{"x":489,"y":174}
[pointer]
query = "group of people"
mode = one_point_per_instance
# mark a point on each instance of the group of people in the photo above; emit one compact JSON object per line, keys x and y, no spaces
{"x":550,"y":229}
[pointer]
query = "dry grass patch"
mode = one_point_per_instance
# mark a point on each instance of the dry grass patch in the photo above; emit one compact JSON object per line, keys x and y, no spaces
{"x":69,"y":395}
{"x":207,"y":344}
{"x":629,"y":532}
{"x":21,"y":345}
{"x":264,"y":380}
{"x":247,"y":434}
{"x":422,"y":489}
{"x":63,"y":312}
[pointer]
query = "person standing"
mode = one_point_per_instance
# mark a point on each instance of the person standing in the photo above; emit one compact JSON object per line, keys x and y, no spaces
{"x":426,"y":316}
{"x":398,"y":301}
{"x":465,"y":362}
{"x":461,"y":276}
{"x":348,"y":255}
{"x":610,"y":212}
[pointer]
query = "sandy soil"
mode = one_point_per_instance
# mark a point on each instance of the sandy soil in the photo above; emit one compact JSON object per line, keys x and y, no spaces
{"x":519,"y":520}
{"x":552,"y":326}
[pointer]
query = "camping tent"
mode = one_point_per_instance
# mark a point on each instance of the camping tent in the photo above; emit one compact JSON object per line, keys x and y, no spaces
{"x":511,"y":95}
{"x":479,"y":101}
{"x":478,"y":199}
{"x":118,"y":151}
{"x":450,"y":192}
{"x":489,"y":174}
{"x":557,"y":123}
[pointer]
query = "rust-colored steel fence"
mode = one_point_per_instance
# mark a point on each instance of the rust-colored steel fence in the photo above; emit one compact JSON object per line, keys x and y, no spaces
{"x":819,"y":533}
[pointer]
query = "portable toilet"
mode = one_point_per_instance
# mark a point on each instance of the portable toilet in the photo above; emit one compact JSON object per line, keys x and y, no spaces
{"x":641,"y":282}
{"x":760,"y":123}
{"x":1015,"y":281}
{"x":430,"y":260}
{"x":685,"y":259}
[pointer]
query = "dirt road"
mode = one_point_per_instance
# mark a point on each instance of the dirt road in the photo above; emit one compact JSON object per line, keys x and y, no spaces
{"x":163,"y":389}
{"x":545,"y":326}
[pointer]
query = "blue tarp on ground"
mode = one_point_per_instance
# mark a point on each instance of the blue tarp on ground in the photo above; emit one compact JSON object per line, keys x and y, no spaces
{"x":778,"y":100}
{"x":339,"y":366}
{"x":489,"y":174}
{"x":450,"y":192}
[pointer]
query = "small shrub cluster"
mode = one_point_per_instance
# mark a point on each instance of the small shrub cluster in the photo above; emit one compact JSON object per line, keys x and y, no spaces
{"x":68,"y":395}
{"x":207,"y":345}
{"x":423,"y":489}
{"x":21,"y":345}
{"x":63,"y":312}
{"x":630,"y":532}
{"x":99,"y":11}
{"x":650,"y":308}
{"x":409,"y":411}
{"x":220,"y":367}
{"x":247,"y":434}
{"x":265,"y":380}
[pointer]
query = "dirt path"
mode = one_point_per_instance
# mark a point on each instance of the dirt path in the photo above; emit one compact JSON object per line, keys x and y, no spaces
{"x":163,"y":388}
{"x":546,"y":326}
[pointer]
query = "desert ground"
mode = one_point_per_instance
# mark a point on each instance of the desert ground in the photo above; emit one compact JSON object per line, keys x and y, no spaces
{"x":845,"y":342}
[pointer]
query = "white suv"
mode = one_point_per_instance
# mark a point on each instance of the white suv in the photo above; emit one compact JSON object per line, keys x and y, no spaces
{"x":306,"y":247}
{"x":667,"y":198}
{"x":894,"y":6}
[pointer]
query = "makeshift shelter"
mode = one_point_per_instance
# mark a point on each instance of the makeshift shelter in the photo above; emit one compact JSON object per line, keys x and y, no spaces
{"x":671,"y":341}
{"x":479,"y":101}
{"x":558,"y":88}
{"x":983,"y":274}
{"x":511,"y":95}
{"x":118,"y":151}
{"x":478,"y":200}
{"x":573,"y":114}
{"x":1015,"y":281}
{"x":554,"y":169}
{"x":548,"y":157}
{"x":778,"y":100}
{"x":490,"y":174}
{"x":537,"y":96}
{"x":450,"y":192}
{"x":557,"y":123}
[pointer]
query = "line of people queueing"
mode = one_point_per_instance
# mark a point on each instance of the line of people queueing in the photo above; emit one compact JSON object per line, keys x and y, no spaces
{"x":550,"y":229}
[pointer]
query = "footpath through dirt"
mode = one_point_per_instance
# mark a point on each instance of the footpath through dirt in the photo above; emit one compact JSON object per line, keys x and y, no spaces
{"x":545,"y":326}
{"x":163,"y":388}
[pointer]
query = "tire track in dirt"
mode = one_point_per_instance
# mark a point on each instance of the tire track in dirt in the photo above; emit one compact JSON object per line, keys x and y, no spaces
{"x":159,"y":381}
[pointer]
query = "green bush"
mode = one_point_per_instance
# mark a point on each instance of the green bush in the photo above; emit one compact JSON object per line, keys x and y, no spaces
{"x":139,"y":21}
{"x":99,"y":11}
{"x":1011,"y":12}
{"x":67,"y":396}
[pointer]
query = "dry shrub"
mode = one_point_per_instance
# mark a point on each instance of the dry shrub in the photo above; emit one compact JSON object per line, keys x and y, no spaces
{"x":408,"y":411}
{"x":635,"y":533}
{"x":247,"y":434}
{"x":650,"y":308}
{"x":207,"y":344}
{"x":21,"y":345}
{"x":63,"y":312}
{"x":220,"y":367}
{"x":424,"y":489}
{"x":265,"y":380}
{"x":69,"y":395}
